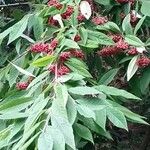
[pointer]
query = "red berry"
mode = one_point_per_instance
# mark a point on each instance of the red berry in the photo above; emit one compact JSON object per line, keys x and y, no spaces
{"x":143,"y":62}
{"x":68,"y":12}
{"x":22,"y":85}
{"x":80,"y":17}
{"x":109,"y":51}
{"x":55,"y":3}
{"x":132,"y":51}
{"x":99,"y":20}
{"x":52,"y":22}
{"x":52,"y":68}
{"x":122,"y":44}
{"x":39,"y":47}
{"x":63,"y":70}
{"x":53,"y":44}
{"x":77,"y":53}
{"x":77,"y":38}
{"x":116,"y":37}
{"x":64,"y":56}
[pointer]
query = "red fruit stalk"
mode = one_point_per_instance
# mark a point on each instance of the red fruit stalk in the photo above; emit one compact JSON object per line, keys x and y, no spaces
{"x":68,"y":13}
{"x":99,"y":20}
{"x":133,"y":51}
{"x":122,"y":44}
{"x":77,"y":38}
{"x":55,"y":3}
{"x":39,"y":47}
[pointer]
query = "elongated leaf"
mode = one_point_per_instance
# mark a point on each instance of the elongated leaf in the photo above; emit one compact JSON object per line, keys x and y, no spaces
{"x":58,"y":138}
{"x":117,"y":118}
{"x":65,"y":128}
{"x":145,"y":7}
{"x":83,"y":132}
{"x":133,"y":40}
{"x":108,"y":77}
{"x":139,"y":24}
{"x":132,"y":68}
{"x":116,"y":92}
{"x":45,"y":141}
{"x":42,"y":62}
{"x":15,"y":105}
{"x":22,"y":70}
{"x":18,"y":29}
{"x":126,"y":25}
{"x":84,"y":90}
{"x":86,"y":112}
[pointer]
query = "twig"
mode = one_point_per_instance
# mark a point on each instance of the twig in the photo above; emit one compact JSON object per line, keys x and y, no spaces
{"x":15,"y":4}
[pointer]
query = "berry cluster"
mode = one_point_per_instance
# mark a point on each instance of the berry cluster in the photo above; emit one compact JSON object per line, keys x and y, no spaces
{"x":143,"y":62}
{"x":132,"y":51}
{"x":39,"y":47}
{"x":77,"y":38}
{"x":115,"y":37}
{"x":68,"y":12}
{"x":55,"y":4}
{"x":22,"y":85}
{"x":61,"y":70}
{"x":44,"y":47}
{"x":119,"y":47}
{"x":64,"y":56}
{"x":52,"y":22}
{"x":99,"y":20}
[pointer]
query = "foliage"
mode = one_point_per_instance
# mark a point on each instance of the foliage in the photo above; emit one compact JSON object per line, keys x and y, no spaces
{"x":67,"y":72}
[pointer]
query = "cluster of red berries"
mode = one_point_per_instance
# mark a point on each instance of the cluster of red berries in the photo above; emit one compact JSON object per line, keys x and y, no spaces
{"x":55,"y":3}
{"x":68,"y":12}
{"x":124,"y":1}
{"x":77,"y":38}
{"x":61,"y":70}
{"x":64,"y":56}
{"x":22,"y":85}
{"x":52,"y":22}
{"x":115,"y":37}
{"x":119,"y":47}
{"x":132,"y":51}
{"x":44,"y":47}
{"x":99,"y":20}
{"x":143,"y":62}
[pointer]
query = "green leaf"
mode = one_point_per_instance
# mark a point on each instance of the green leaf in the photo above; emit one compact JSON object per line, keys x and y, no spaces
{"x":35,"y":111}
{"x":84,"y":34}
{"x":38,"y":79}
{"x":103,"y":2}
{"x":139,"y":24}
{"x":126,"y":25}
{"x":116,"y":92}
{"x":44,"y":61}
{"x":101,"y":118}
{"x":83,"y":132}
{"x":83,"y":90}
{"x":94,"y":104}
{"x":18,"y":29}
{"x":145,"y":80}
{"x":101,"y":38}
{"x":132,"y":68}
{"x":117,"y":118}
{"x":65,"y":128}
{"x":71,"y":110}
{"x":145,"y":8}
{"x":26,"y":136}
{"x":61,"y":94}
{"x":29,"y":142}
{"x":22,"y":70}
{"x":58,"y":138}
{"x":38,"y":27}
{"x":109,"y":26}
{"x":108,"y":77}
{"x":70,"y":44}
{"x":91,"y":44}
{"x":5,"y":133}
{"x":85,"y":111}
{"x":15,"y":105}
{"x":79,"y":67}
{"x":45,"y":141}
{"x":133,"y":40}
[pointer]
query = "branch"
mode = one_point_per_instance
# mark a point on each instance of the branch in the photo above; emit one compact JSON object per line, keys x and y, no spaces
{"x":15,"y":4}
